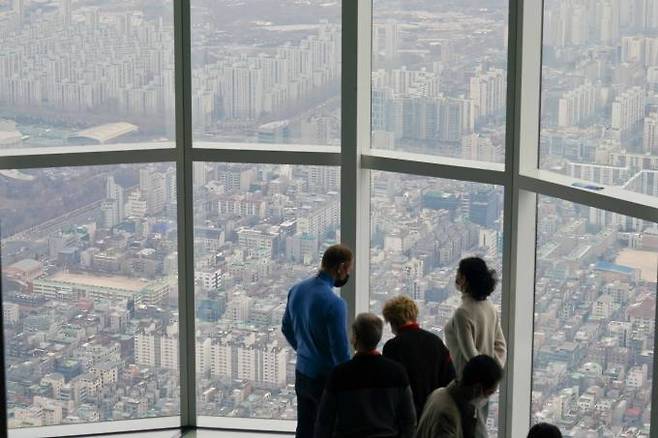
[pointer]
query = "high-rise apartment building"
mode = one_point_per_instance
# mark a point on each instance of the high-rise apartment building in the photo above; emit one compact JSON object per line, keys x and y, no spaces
{"x":650,"y":140}
{"x":385,"y":39}
{"x":628,"y":111}
{"x":578,"y":105}
{"x":488,"y":90}
{"x":65,"y":11}
{"x":156,"y":349}
{"x":153,"y":186}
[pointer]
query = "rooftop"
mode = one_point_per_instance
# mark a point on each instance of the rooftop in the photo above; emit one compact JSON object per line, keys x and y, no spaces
{"x":107,"y":132}
{"x":612,"y":267}
{"x":26,"y":265}
{"x":113,"y":282}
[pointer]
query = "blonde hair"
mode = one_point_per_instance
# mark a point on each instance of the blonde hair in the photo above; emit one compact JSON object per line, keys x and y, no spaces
{"x":400,"y":310}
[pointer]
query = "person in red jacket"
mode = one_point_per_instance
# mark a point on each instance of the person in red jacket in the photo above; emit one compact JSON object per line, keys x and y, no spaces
{"x":422,"y":354}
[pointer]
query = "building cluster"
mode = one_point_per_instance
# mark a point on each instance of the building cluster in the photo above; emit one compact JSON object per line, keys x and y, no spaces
{"x":420,"y":229}
{"x":599,"y":91}
{"x":111,"y":63}
{"x":410,"y":110}
{"x":258,"y":230}
{"x":434,"y":90}
{"x":244,"y":87}
{"x":85,"y":60}
{"x":90,"y":310}
{"x":90,"y":307}
{"x":90,"y":299}
{"x":594,"y":322}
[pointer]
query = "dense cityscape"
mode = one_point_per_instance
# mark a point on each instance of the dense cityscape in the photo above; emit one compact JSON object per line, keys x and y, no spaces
{"x":595,"y":298}
{"x":90,"y":256}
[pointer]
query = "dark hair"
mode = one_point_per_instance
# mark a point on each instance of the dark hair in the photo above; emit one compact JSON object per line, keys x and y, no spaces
{"x":335,"y":255}
{"x":484,"y":370}
{"x":544,"y":430}
{"x":367,"y":329}
{"x":480,"y":280}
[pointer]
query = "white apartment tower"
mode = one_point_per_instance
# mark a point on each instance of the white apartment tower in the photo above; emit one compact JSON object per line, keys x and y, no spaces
{"x":577,"y":105}
{"x":488,"y":91}
{"x":628,"y":110}
{"x":650,"y":140}
{"x":65,"y":12}
{"x":116,"y":192}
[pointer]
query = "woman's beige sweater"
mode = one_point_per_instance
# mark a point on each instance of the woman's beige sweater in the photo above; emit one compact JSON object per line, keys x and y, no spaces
{"x":475,"y":329}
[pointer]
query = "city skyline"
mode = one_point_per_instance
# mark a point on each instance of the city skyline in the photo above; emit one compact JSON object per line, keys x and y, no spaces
{"x":90,"y":253}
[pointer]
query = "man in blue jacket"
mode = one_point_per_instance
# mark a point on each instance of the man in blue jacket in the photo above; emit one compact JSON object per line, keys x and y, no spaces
{"x":315,"y":325}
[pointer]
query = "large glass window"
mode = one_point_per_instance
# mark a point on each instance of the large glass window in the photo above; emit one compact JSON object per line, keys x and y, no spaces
{"x":258,"y":229}
{"x":266,"y":71}
{"x":599,"y":82}
{"x":595,"y":298}
{"x":90,"y":240}
{"x":86,"y":73}
{"x":89,"y":293}
{"x":420,"y":229}
{"x":439,"y":77}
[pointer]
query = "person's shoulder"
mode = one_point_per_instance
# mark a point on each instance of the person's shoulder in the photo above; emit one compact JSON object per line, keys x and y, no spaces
{"x":415,"y":338}
{"x":431,"y":339}
{"x":302,"y":284}
{"x":334,"y":303}
{"x":394,"y":370}
{"x":464,"y":312}
{"x":339,"y":373}
{"x":437,"y":394}
{"x":342,"y":368}
{"x":312,"y":280}
{"x":391,"y":364}
{"x":426,"y":334}
{"x":490,"y":305}
{"x":392,"y":344}
{"x":441,"y":399}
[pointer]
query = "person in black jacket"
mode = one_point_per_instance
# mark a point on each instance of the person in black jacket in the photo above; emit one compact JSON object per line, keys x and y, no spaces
{"x":423,"y":355}
{"x":369,"y":396}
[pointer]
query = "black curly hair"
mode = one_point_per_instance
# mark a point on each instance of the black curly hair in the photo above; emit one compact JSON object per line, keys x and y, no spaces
{"x":480,"y":281}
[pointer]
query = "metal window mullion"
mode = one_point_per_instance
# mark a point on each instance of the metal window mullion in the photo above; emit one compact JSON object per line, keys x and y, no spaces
{"x":299,"y":157}
{"x":255,"y":425}
{"x":637,"y":205}
{"x":433,"y":168}
{"x":523,"y":104}
{"x":185,"y":206}
{"x":355,"y":138}
{"x":517,"y":309}
{"x":28,"y":160}
{"x":653,"y":427}
{"x":103,"y":429}
{"x":3,"y":374}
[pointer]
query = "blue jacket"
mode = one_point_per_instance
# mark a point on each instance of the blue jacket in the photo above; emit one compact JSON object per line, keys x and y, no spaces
{"x":315,"y":325}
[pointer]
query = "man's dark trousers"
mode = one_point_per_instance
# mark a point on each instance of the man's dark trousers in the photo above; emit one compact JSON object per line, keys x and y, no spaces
{"x":309,"y":393}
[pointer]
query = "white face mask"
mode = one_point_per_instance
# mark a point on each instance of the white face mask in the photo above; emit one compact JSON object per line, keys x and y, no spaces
{"x":480,"y":402}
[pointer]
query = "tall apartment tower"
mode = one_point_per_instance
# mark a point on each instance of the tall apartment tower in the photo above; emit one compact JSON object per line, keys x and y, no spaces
{"x":19,"y":9}
{"x":65,"y":12}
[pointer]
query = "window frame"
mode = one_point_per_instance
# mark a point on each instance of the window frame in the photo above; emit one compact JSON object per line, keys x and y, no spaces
{"x":520,"y":178}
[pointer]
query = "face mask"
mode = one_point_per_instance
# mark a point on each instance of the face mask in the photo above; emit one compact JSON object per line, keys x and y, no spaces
{"x":458,"y":283}
{"x":341,"y":282}
{"x":480,"y":402}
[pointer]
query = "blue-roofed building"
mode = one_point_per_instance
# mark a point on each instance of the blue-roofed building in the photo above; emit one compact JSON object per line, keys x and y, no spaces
{"x":615,"y":271}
